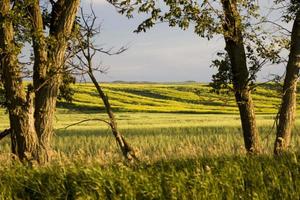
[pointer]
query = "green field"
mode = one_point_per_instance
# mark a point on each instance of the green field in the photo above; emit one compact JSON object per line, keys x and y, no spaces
{"x":170,"y":98}
{"x":189,"y":142}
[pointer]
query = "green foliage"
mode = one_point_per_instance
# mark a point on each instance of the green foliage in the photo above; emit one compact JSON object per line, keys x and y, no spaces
{"x":206,"y":17}
{"x":21,"y":22}
{"x":222,"y":80}
{"x":290,"y":9}
{"x":66,"y":91}
{"x":181,"y":13}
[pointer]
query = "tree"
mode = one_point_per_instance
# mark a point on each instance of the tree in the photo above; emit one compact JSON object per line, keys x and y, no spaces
{"x":49,"y":57}
{"x":245,"y":50}
{"x":240,"y":75}
{"x":18,"y":102}
{"x":287,"y":109}
{"x":85,"y":50}
{"x":31,"y":112}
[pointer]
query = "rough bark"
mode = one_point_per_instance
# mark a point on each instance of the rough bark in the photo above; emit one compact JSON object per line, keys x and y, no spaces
{"x":20,"y":105}
{"x":49,"y":61}
{"x":235,"y":49}
{"x":287,"y":109}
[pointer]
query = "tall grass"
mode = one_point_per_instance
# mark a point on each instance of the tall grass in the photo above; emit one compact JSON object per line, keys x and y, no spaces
{"x":156,"y":137}
{"x":179,"y":162}
{"x":223,"y":177}
{"x":183,"y":156}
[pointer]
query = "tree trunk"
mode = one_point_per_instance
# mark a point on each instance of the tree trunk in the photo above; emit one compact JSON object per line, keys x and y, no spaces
{"x":247,"y":115}
{"x":235,"y":49}
{"x":49,"y":62}
{"x":20,"y":106}
{"x":287,"y":109}
{"x":127,"y":150}
{"x":45,"y":104}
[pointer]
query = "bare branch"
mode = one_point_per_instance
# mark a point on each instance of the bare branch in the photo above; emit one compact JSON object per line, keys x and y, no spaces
{"x":86,"y":51}
{"x":278,"y":25}
{"x":85,"y":120}
{"x":4,"y":133}
{"x":110,"y":52}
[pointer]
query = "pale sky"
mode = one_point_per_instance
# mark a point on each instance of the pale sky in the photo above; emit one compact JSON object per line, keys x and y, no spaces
{"x":161,"y":54}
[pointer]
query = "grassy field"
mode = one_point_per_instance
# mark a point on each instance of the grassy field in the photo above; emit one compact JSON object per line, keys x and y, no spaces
{"x":221,"y":177}
{"x":170,"y":98}
{"x":187,"y":150}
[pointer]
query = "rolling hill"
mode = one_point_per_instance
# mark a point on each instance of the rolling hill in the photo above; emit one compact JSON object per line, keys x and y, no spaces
{"x":168,"y":98}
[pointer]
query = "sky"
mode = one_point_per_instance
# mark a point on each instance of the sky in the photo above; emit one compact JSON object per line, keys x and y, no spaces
{"x":162,"y":54}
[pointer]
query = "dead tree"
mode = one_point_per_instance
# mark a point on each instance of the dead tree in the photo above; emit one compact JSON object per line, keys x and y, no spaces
{"x":85,"y":50}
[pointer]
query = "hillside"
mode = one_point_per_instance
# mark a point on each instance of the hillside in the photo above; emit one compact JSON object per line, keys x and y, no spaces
{"x":168,"y":98}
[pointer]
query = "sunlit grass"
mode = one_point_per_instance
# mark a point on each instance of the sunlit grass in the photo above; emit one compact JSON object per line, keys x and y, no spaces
{"x":183,"y":156}
{"x":156,"y":136}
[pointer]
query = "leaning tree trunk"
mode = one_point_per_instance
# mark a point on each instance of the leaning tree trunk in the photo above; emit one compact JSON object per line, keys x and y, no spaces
{"x":49,"y":62}
{"x":235,"y":49}
{"x":127,"y":150}
{"x":287,"y":109}
{"x":20,"y":106}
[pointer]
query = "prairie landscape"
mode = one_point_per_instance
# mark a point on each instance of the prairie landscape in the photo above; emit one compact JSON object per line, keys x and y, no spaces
{"x":202,"y":104}
{"x":188,"y":140}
